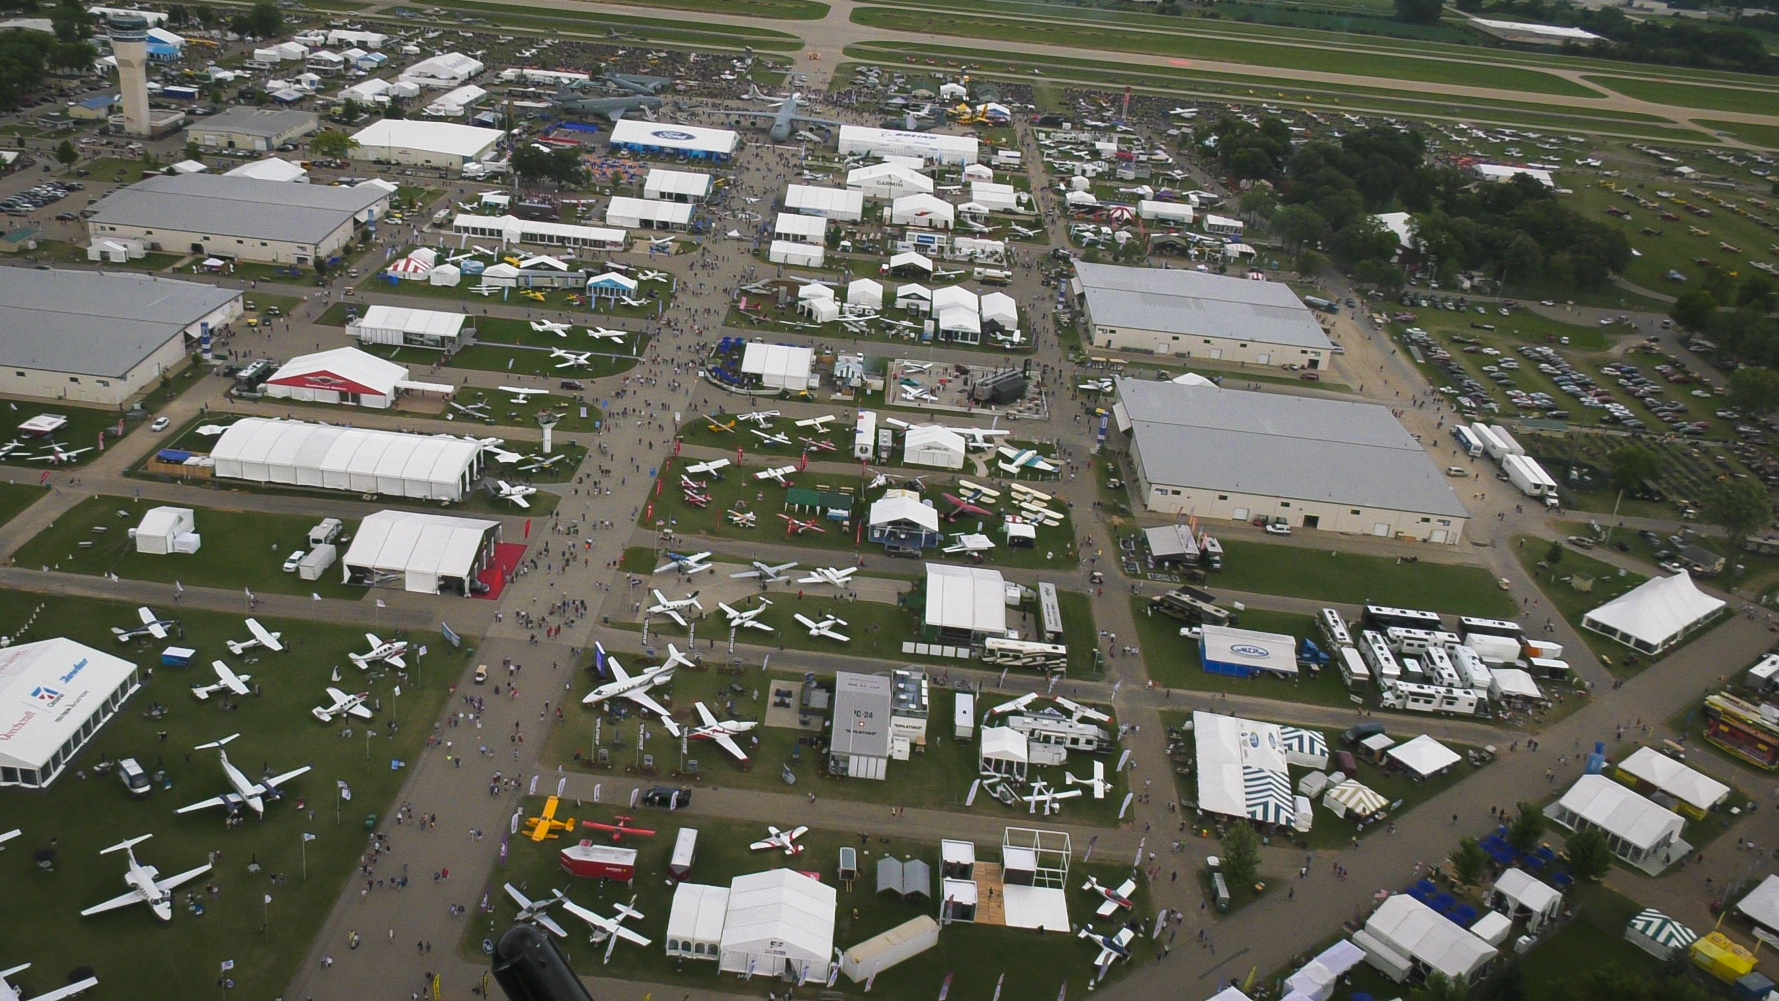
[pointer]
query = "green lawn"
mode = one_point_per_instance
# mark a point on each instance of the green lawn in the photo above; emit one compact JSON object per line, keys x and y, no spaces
{"x":1759,"y":135}
{"x":1557,"y":583}
{"x":88,"y":427}
{"x":1080,"y":633}
{"x":111,"y":168}
{"x":242,"y":549}
{"x":973,"y":956}
{"x":15,"y":497}
{"x":179,"y":960}
{"x":1302,"y":572}
{"x":503,"y":330}
{"x":1688,"y":95}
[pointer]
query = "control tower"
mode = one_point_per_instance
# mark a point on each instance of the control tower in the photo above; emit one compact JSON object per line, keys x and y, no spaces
{"x":129,"y":43}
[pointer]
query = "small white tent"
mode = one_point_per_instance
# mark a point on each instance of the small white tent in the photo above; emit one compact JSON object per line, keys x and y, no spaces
{"x":161,"y":529}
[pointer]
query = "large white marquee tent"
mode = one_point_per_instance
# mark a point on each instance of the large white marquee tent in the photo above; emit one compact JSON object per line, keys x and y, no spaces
{"x":426,"y":551}
{"x":1655,"y":614}
{"x":1243,"y":769}
{"x":361,"y":460}
{"x":55,"y":694}
{"x":780,"y":922}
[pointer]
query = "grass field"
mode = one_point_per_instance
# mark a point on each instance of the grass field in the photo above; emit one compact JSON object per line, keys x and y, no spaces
{"x":766,"y":10}
{"x":1760,"y":135}
{"x":639,"y":29}
{"x":1350,"y":577}
{"x":85,"y":811}
{"x":1689,"y":95}
{"x":972,"y":956}
{"x":1555,"y":580}
{"x":15,"y":497}
{"x":1676,"y":246}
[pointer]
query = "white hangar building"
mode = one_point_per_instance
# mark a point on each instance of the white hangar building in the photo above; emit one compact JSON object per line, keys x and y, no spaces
{"x":420,"y":143}
{"x":54,"y":695}
{"x":424,"y":552}
{"x":955,"y":150}
{"x":1193,"y":314}
{"x":345,"y":376}
{"x":100,"y":338}
{"x":779,"y":923}
{"x":1332,"y":465}
{"x":361,"y":460}
{"x":244,"y":218}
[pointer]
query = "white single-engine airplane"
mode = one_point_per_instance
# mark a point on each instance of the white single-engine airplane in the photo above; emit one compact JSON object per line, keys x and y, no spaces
{"x":749,"y":619}
{"x":11,"y":993}
{"x":146,"y":886}
{"x":722,"y":732}
{"x":523,"y":396}
{"x":550,"y":327}
{"x":776,"y":838}
{"x":607,"y":333}
{"x":225,"y":680}
{"x":767,"y":573}
{"x":261,"y":637}
{"x":820,"y":424}
{"x":711,"y":467}
{"x":533,"y":910}
{"x":671,"y":608}
{"x":152,"y":625}
{"x":572,"y":359}
{"x":389,"y":653}
{"x":343,"y":704}
{"x":1097,"y":783}
{"x":761,"y":418}
{"x":253,"y":794}
{"x":636,"y":687}
{"x":1112,"y":947}
{"x":777,"y":474}
{"x":1113,"y":899}
{"x":609,"y":930}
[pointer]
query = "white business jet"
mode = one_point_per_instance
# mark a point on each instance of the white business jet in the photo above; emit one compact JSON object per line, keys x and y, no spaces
{"x":226,"y":680}
{"x":749,"y":619}
{"x":10,"y":993}
{"x":775,"y":838}
{"x":146,"y":886}
{"x":607,"y":333}
{"x":721,"y":732}
{"x":824,"y":628}
{"x":152,"y":625}
{"x":636,"y":687}
{"x":837,"y":576}
{"x":390,"y":652}
{"x":671,"y":608}
{"x":262,"y":637}
{"x":253,"y":794}
{"x":767,"y":573}
{"x":343,"y":704}
{"x":515,"y":492}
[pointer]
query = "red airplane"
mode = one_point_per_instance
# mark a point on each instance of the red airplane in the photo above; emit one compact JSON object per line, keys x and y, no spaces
{"x":619,"y":830}
{"x":795,"y":527}
{"x":817,"y":444}
{"x":697,"y":499}
{"x":690,"y":484}
{"x":961,"y":507}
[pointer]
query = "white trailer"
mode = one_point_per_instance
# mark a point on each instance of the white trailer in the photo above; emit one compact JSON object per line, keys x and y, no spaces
{"x":685,"y":845}
{"x":864,"y":435}
{"x":1470,"y":665}
{"x":1467,"y":441}
{"x":1025,"y":653}
{"x":874,"y":955}
{"x":1519,"y":473}
{"x":317,"y":562}
{"x":1378,"y":657}
{"x":1352,"y":667}
{"x":1416,"y":641}
{"x":1431,"y":699}
{"x":1334,"y":628}
{"x":1501,"y":435}
{"x":963,"y":717}
{"x":1485,"y":436}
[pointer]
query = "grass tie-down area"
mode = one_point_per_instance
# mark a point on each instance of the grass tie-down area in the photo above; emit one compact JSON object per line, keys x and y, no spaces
{"x":1332,"y":575}
{"x":84,"y":811}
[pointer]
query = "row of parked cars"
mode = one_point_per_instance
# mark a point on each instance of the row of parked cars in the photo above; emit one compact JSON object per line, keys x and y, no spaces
{"x":48,"y":193}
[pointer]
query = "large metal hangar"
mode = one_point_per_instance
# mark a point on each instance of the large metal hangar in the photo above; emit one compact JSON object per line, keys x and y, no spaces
{"x":1192,"y":314}
{"x":362,"y":460}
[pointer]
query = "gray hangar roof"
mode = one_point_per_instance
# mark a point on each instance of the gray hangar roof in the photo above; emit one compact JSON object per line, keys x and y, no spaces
{"x":89,"y":323}
{"x":1192,"y":303}
{"x":236,"y":206}
{"x":1275,"y":445}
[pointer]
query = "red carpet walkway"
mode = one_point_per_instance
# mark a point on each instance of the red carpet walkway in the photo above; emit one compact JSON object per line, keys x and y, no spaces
{"x":506,"y":558}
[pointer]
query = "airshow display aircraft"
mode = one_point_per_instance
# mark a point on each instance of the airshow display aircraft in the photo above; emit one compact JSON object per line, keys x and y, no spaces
{"x":1112,"y":947}
{"x":607,"y":333}
{"x":58,"y":455}
{"x":820,"y":424}
{"x":390,"y":652}
{"x":718,"y":426}
{"x":609,"y":930}
{"x":545,"y":825}
{"x":777,"y":474}
{"x":776,"y":838}
{"x":262,"y":637}
{"x":146,"y":886}
{"x":837,"y":576}
{"x":636,"y":687}
{"x":824,"y":628}
{"x":749,"y":619}
{"x":761,"y":418}
{"x":515,"y":492}
{"x":572,"y":359}
{"x":343,"y":704}
{"x":772,"y":439}
{"x":794,"y":526}
{"x":1097,"y":783}
{"x":1018,"y":459}
{"x":226,"y":680}
{"x":253,"y":794}
{"x":11,"y":993}
{"x":961,"y":507}
{"x":687,"y":564}
{"x":152,"y":625}
{"x":619,"y":830}
{"x":523,"y":396}
{"x":1112,"y":899}
{"x":767,"y":573}
{"x":722,"y":732}
{"x":711,"y":467}
{"x":671,"y":608}
{"x":533,"y":910}
{"x":550,"y":327}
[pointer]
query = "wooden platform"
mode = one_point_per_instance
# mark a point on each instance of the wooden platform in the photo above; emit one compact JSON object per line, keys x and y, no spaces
{"x":991,"y":905}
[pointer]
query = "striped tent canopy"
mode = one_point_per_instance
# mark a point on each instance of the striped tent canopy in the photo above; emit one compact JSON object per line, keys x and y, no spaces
{"x":409,"y":266}
{"x":1304,"y":748}
{"x":1663,"y":930}
{"x":1353,"y":797}
{"x":1268,"y":794}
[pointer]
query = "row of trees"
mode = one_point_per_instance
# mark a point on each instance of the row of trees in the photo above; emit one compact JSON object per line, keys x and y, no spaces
{"x":26,"y":56}
{"x":1320,"y":199}
{"x":1668,"y":42}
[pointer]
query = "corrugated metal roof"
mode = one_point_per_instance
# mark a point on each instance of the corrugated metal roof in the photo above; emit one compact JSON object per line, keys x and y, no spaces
{"x":245,"y":207}
{"x":89,"y":323}
{"x":1198,"y":304}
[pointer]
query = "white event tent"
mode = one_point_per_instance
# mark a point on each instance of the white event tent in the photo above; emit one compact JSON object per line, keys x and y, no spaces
{"x":427,"y":551}
{"x":1654,"y":615}
{"x":779,"y":923}
{"x":361,"y":460}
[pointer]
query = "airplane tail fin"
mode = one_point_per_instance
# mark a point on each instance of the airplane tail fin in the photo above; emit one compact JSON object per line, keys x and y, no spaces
{"x":125,"y":845}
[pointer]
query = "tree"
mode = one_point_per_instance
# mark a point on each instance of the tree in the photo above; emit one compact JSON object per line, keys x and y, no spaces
{"x":1756,"y":290}
{"x":265,"y":19}
{"x":1755,"y":389}
{"x":1631,"y":465}
{"x":70,"y":21}
{"x":332,"y":143}
{"x":1526,"y":828}
{"x":1590,"y":857}
{"x":1386,"y":278}
{"x":1470,"y":863}
{"x":1739,"y":507}
{"x":1299,"y":226}
{"x":1241,"y":854}
{"x":192,"y":150}
{"x":1419,"y":11}
{"x":66,"y":154}
{"x":1440,"y":987}
{"x":1554,"y":554}
{"x":1694,"y":310}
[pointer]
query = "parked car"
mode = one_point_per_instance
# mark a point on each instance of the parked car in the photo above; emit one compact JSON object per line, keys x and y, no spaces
{"x":667,"y":797}
{"x":133,"y":777}
{"x":295,"y":560}
{"x":1277,"y":528}
{"x":160,"y":424}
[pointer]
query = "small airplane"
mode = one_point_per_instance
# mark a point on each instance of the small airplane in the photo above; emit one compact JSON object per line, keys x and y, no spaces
{"x":711,"y":467}
{"x":718,"y":426}
{"x":917,"y":393}
{"x":620,"y":830}
{"x":786,"y":840}
{"x":572,"y":359}
{"x":696,"y":499}
{"x":1024,"y":459}
{"x":390,"y":653}
{"x":1016,"y":704}
{"x":343,"y":704}
{"x":1097,"y":783}
{"x":657,"y":243}
{"x":647,"y":275}
{"x":545,"y":825}
{"x":820,"y":424}
{"x":1022,"y":231}
{"x":262,"y":637}
{"x":749,"y":619}
{"x":550,"y":327}
{"x":773,"y":439}
{"x":253,"y":794}
{"x":687,"y":564}
{"x":767,"y":573}
{"x":777,"y":474}
{"x":671,"y":609}
{"x":1113,"y":899}
{"x":1112,"y":947}
{"x":793,"y":526}
{"x":761,"y":418}
{"x":838,"y":576}
{"x":961,"y":507}
{"x":607,"y":333}
{"x":981,"y":437}
{"x":152,"y":625}
{"x":533,"y":910}
{"x":818,"y":445}
{"x":741,"y":519}
{"x":635,"y":687}
{"x":974,"y":492}
{"x":609,"y":930}
{"x":484,"y":290}
{"x":1096,"y":386}
{"x":515,"y":492}
{"x":632,"y":301}
{"x":477,"y":410}
{"x":721,"y":732}
{"x":226,"y":680}
{"x":10,"y":993}
{"x":536,"y":462}
{"x":146,"y":886}
{"x":58,"y":455}
{"x":1081,"y":712}
{"x":825,"y":627}
{"x":523,"y":396}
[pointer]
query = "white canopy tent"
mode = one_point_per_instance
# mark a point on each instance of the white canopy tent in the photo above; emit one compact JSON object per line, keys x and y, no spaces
{"x":1513,"y":683}
{"x":970,"y":599}
{"x":360,"y":460}
{"x":1636,"y":829}
{"x":695,"y":923}
{"x":865,"y":294}
{"x":1430,"y":942}
{"x":1762,"y":904}
{"x":161,"y":527}
{"x":1317,"y":978}
{"x":922,"y":210}
{"x":802,"y":255}
{"x":59,"y":693}
{"x":1423,"y":756}
{"x":1004,"y":751}
{"x":779,"y":923}
{"x":426,"y":551}
{"x":1520,"y":896}
{"x":1686,"y":784}
{"x":1654,"y":615}
{"x":779,"y":366}
{"x":1242,"y":770}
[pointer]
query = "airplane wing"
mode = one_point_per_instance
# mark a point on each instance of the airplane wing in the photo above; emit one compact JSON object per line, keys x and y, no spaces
{"x":628,"y":935}
{"x":618,"y":672}
{"x":604,"y":924}
{"x":395,"y":660}
{"x":760,"y":846}
{"x":360,"y":711}
{"x":798,"y":832}
{"x":264,"y":636}
{"x":550,"y":923}
{"x":675,"y":616}
{"x":1106,"y":908}
{"x":705,"y":713}
{"x":229,"y":678}
{"x":156,"y":630}
{"x":338,"y":696}
{"x":68,"y":991}
{"x":1127,"y":888}
{"x":145,"y":614}
{"x":205,"y":805}
{"x":372,"y":639}
{"x":132,"y":897}
{"x":519,"y":500}
{"x":182,"y":878}
{"x":278,"y":780}
{"x":728,"y":743}
{"x":648,"y":702}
